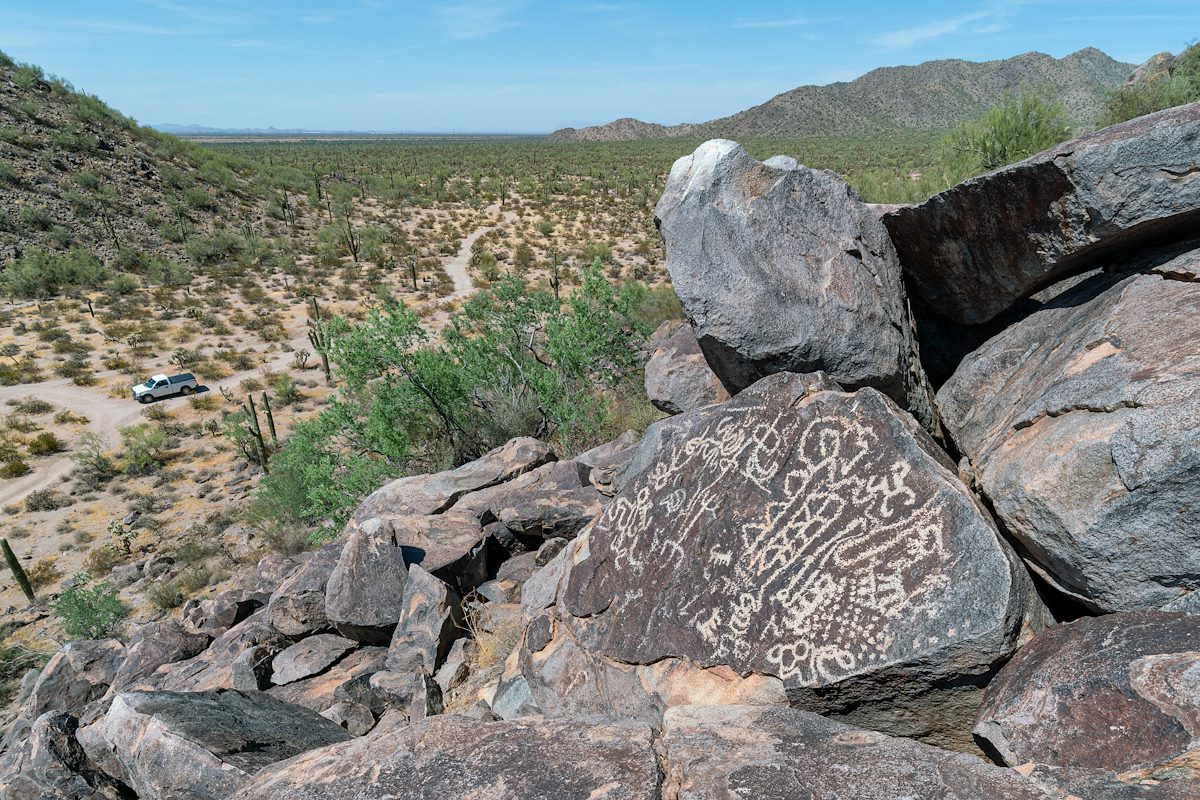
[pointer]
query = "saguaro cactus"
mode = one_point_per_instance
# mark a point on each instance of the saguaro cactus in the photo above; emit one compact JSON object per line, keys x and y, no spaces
{"x":318,"y":337}
{"x":17,"y":570}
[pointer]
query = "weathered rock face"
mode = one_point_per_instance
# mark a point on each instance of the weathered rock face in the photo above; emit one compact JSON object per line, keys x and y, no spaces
{"x":309,"y":657}
{"x":452,"y":757}
{"x":976,"y":249}
{"x":719,"y":752}
{"x":678,"y":378}
{"x":153,"y":645}
{"x":553,"y":500}
{"x":51,"y":765}
{"x":214,"y":668}
{"x":1080,"y":423}
{"x":795,"y":542}
{"x":321,"y":691}
{"x":1116,"y":694}
{"x":430,"y":620}
{"x":606,"y":462}
{"x":201,"y":745}
{"x":76,"y":675}
{"x":433,"y":494}
{"x":362,"y":596}
{"x":297,"y":607}
{"x":215,"y":615}
{"x":787,"y":270}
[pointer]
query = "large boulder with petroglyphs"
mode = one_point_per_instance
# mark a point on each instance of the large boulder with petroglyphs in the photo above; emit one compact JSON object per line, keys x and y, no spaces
{"x":783,"y":268}
{"x":798,"y":544}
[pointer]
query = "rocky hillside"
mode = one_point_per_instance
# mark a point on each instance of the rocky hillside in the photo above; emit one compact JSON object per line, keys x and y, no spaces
{"x":73,"y":172}
{"x":931,"y":96}
{"x":826,"y":575}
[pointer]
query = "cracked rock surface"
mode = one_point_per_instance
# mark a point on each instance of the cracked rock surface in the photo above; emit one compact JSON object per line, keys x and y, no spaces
{"x":1081,"y":424}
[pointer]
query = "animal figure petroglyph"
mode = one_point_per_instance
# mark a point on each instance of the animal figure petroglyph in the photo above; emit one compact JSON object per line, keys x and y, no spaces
{"x":818,"y":540}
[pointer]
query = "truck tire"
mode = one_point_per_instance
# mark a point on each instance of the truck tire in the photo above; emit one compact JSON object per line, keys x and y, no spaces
{"x":185,"y":391}
{"x":146,"y":398}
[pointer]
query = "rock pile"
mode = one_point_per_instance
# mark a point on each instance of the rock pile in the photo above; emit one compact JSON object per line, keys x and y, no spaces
{"x":815,"y":579}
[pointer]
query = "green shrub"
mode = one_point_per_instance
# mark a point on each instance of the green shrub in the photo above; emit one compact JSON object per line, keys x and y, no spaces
{"x":1019,"y":127}
{"x":89,"y":612}
{"x":46,"y":500}
{"x":39,"y":273}
{"x":1180,"y":86}
{"x":14,"y":468}
{"x":165,"y":595}
{"x":143,"y":448}
{"x":44,"y":444}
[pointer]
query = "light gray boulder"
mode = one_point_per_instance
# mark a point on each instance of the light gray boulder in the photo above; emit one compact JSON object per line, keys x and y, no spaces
{"x":786,"y":270}
{"x":677,"y":377}
{"x":200,"y":745}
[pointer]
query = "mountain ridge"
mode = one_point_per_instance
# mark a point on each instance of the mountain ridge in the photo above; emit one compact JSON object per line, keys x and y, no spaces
{"x":928,"y":96}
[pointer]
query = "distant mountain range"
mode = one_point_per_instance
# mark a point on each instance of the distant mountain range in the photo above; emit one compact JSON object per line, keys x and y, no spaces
{"x":934,"y":95}
{"x":201,"y":130}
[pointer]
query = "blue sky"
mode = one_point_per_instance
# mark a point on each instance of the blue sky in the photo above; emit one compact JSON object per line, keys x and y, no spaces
{"x":528,"y":66}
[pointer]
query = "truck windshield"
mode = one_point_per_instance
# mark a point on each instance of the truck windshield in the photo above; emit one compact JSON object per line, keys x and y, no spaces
{"x":149,"y":384}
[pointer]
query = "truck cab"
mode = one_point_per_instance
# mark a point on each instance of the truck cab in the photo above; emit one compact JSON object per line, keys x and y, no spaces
{"x":163,"y":386}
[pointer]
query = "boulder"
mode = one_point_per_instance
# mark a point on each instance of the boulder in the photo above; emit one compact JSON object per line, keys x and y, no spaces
{"x":362,"y":596}
{"x":719,"y":752}
{"x":430,"y":620}
{"x":433,"y":494}
{"x":677,"y":378}
{"x":51,"y":765}
{"x":451,"y":546}
{"x":215,"y":615}
{"x":354,"y":717}
{"x":407,"y":697}
{"x":76,"y":675}
{"x":553,"y":500}
{"x":787,"y":270}
{"x":297,"y":608}
{"x":152,"y":646}
{"x":271,"y":571}
{"x":973,"y":251}
{"x":458,"y":757}
{"x":309,"y":657}
{"x":1102,"y":696}
{"x":605,"y":462}
{"x":200,"y":745}
{"x":322,"y":691}
{"x":214,"y":668}
{"x":796,"y":544}
{"x":1080,"y":425}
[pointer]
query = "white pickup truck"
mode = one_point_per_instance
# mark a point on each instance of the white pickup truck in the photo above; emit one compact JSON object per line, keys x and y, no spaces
{"x":163,"y":386}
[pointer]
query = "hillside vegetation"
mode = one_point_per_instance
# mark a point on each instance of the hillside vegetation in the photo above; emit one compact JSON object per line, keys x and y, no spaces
{"x":935,"y":95}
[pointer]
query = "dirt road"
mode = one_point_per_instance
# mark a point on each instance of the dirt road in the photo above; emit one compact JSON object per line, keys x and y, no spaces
{"x":457,"y":268}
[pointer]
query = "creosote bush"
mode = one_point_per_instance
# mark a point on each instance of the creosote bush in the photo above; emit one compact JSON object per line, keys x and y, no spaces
{"x":89,"y":611}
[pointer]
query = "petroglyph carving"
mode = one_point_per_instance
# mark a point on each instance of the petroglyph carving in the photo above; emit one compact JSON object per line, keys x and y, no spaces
{"x":817,"y":539}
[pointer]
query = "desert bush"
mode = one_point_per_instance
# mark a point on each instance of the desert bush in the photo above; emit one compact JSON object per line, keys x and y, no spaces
{"x":44,"y":444}
{"x":284,"y":389}
{"x":1019,"y":127}
{"x":46,"y":500}
{"x":31,"y":405}
{"x":102,"y":559}
{"x":165,"y":595}
{"x":90,"y":611}
{"x":144,"y":445}
{"x":43,"y":572}
{"x":39,"y":273}
{"x":1180,"y":86}
{"x":15,"y":661}
{"x":14,"y":468}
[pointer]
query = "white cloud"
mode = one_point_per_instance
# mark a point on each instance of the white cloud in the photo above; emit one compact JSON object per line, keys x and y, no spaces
{"x":777,"y":23}
{"x":907,"y":37}
{"x":476,"y":19}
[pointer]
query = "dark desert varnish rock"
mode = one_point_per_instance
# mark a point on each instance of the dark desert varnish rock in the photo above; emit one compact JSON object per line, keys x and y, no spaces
{"x":796,"y":544}
{"x":1105,"y":702}
{"x":976,"y":249}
